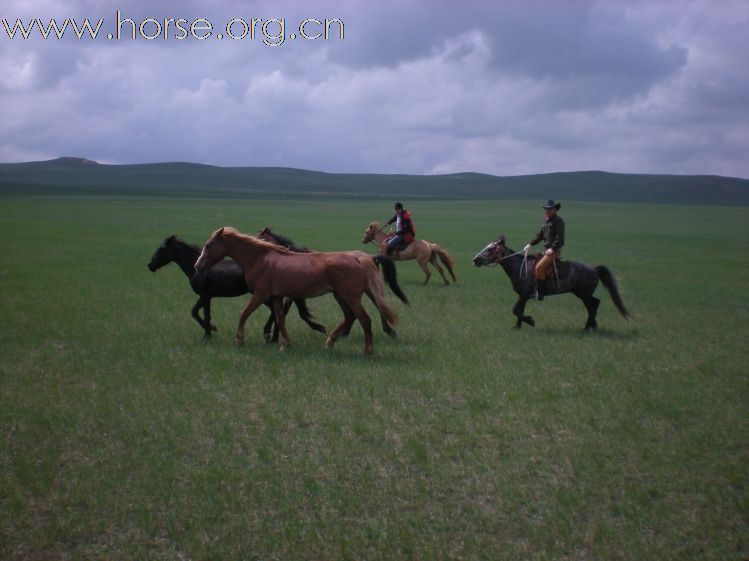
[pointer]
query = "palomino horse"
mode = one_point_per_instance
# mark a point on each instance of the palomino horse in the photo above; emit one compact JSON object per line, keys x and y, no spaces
{"x":578,"y":278}
{"x":423,"y":251}
{"x":223,"y":280}
{"x":273,"y":272}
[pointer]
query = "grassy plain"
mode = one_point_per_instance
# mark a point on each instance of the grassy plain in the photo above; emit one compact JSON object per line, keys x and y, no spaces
{"x":124,"y":435}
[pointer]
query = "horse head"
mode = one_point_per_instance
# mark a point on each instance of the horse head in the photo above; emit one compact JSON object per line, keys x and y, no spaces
{"x":214,"y":251}
{"x":163,"y":255}
{"x":492,"y":253}
{"x":369,"y":233}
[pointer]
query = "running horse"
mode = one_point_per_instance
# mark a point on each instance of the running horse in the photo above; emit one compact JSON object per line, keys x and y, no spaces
{"x":423,"y":251}
{"x":570,"y":276}
{"x":224,"y":280}
{"x":269,"y":235}
{"x":274,"y":272}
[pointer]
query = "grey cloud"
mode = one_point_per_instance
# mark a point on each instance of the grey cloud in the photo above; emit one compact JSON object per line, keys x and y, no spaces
{"x":422,"y":87}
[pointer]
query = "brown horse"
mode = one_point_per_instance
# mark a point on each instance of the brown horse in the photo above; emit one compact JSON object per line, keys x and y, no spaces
{"x":275,"y":272}
{"x":423,"y":251}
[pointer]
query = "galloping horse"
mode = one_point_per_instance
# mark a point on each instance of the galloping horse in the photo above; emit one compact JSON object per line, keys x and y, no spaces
{"x":423,"y":251}
{"x":273,"y":237}
{"x":273,"y":272}
{"x":223,"y":280}
{"x":578,"y":278}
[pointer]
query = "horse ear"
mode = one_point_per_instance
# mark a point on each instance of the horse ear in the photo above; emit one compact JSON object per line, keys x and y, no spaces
{"x":220,"y":232}
{"x":501,"y":240}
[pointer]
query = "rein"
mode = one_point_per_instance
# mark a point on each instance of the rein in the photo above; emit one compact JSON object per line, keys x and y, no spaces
{"x":523,"y":266}
{"x":381,"y":231}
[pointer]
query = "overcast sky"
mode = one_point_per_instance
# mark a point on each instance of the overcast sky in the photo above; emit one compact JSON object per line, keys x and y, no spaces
{"x":502,"y":87}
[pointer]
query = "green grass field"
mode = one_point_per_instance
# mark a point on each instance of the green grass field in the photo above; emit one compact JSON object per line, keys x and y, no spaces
{"x":125,"y":436}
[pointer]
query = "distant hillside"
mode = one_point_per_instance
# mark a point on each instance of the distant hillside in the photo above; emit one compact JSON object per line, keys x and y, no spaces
{"x":81,"y":176}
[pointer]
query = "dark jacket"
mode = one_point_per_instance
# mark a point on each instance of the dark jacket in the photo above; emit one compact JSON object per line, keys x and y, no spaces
{"x":552,"y":233}
{"x":407,"y":228}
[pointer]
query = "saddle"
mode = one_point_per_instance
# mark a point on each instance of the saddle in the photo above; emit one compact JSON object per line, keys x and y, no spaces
{"x":401,"y":246}
{"x":554,"y":273}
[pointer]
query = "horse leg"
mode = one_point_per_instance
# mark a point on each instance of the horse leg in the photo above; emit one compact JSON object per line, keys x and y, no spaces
{"x":207,"y":317}
{"x":270,"y":324}
{"x":518,"y":310}
{"x":345,"y":326}
{"x":255,"y":302}
{"x":423,"y":264}
{"x":366,"y":323}
{"x":200,"y":304}
{"x":280,"y":311}
{"x":272,"y":319}
{"x":301,"y":308}
{"x":591,"y":304}
{"x":385,"y":325}
{"x":436,"y":265}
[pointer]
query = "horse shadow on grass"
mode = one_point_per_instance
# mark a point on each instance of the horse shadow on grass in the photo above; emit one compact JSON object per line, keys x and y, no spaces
{"x":630,"y":334}
{"x":394,"y":352}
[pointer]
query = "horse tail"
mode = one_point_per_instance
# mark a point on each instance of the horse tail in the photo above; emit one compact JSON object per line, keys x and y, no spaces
{"x":447,"y":261}
{"x":609,"y":282}
{"x":388,"y":271}
{"x":376,"y":290}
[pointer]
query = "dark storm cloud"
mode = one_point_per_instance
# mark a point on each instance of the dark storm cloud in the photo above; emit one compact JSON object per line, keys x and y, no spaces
{"x":424,"y":87}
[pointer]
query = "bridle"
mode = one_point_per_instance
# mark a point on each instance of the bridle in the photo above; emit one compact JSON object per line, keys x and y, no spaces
{"x":523,"y":266}
{"x":380,"y":230}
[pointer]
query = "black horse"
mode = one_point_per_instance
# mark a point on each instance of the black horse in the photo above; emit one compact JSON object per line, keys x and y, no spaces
{"x":225,"y":279}
{"x":571,"y":276}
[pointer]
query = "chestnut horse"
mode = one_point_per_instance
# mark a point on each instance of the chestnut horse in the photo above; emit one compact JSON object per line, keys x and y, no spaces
{"x":423,"y":251}
{"x":274,"y":272}
{"x":224,"y":280}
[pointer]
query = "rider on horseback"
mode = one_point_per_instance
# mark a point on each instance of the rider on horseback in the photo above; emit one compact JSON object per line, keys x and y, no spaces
{"x":404,"y":229}
{"x":552,"y":234}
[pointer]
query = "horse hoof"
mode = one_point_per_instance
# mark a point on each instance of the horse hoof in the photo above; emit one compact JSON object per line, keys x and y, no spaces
{"x":393,"y":333}
{"x":367,"y":351}
{"x":531,"y":322}
{"x":213,"y":328}
{"x":239,"y":343}
{"x":329,"y":342}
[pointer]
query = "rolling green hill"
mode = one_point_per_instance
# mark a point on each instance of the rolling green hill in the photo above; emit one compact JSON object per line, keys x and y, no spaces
{"x":77,"y":175}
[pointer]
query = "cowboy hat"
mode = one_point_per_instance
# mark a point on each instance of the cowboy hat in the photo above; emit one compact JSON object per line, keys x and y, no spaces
{"x":551,"y":204}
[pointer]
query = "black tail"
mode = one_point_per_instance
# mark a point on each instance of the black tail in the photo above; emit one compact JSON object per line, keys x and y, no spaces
{"x":388,"y":271}
{"x":609,"y":282}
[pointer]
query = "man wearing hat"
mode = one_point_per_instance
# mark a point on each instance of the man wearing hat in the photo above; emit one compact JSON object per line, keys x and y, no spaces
{"x":552,"y":234}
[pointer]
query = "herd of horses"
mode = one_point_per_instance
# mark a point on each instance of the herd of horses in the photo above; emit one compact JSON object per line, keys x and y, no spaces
{"x":279,"y":274}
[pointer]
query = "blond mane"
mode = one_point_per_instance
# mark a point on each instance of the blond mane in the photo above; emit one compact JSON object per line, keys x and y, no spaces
{"x":252,"y":240}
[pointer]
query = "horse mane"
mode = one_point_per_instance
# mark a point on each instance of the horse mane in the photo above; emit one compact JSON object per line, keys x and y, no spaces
{"x":175,"y":239}
{"x":286,"y":242}
{"x":252,"y":240}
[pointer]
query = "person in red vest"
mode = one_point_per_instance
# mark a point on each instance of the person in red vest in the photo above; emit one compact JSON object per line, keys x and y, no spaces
{"x":404,"y":229}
